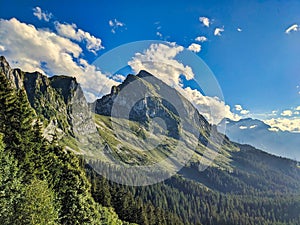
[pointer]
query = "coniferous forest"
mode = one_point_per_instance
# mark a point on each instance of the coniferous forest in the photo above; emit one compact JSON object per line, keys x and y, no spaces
{"x":43,"y":182}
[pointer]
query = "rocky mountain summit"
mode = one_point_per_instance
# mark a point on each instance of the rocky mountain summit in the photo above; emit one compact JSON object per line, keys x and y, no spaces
{"x":58,"y":101}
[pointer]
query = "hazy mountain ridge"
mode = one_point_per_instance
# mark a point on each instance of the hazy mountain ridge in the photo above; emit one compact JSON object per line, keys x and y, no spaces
{"x":258,"y":134}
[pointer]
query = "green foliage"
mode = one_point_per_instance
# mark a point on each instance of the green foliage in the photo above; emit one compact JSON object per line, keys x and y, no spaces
{"x":10,"y":186}
{"x":72,"y":188}
{"x":16,"y":123}
{"x":40,"y":183}
{"x":44,"y":183}
{"x":213,"y":196}
{"x":38,"y":206}
{"x":47,"y":101}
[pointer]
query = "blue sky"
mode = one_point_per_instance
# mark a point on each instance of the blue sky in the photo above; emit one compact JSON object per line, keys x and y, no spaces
{"x":254,"y":59}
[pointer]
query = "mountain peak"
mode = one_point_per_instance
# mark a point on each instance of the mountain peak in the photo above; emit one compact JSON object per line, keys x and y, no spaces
{"x":4,"y":65}
{"x":143,"y":73}
{"x":2,"y":58}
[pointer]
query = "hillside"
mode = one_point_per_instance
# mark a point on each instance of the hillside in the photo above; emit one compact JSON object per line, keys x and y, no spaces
{"x":220,"y":182}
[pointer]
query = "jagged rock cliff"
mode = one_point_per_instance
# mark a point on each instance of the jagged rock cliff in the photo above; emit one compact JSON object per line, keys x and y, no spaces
{"x":58,"y":101}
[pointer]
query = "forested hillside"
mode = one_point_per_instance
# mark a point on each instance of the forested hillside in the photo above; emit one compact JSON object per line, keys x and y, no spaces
{"x":40,"y":181}
{"x":45,"y":180}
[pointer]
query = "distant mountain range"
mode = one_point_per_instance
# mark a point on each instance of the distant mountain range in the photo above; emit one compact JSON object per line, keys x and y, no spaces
{"x":260,"y":135}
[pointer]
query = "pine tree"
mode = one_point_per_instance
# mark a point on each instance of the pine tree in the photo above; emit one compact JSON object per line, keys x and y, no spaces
{"x":16,"y":124}
{"x":40,"y":150}
{"x":10,"y":186}
{"x":7,"y":102}
{"x":38,"y":206}
{"x":72,"y":187}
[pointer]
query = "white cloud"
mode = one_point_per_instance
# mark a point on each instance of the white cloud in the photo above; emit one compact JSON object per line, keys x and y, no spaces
{"x":119,"y":77}
{"x":284,"y":124}
{"x":294,"y":27}
{"x":274,"y":129}
{"x":239,"y":29}
{"x":296,"y":113}
{"x":244,"y":112}
{"x":298,"y":108}
{"x":212,"y":108}
{"x":159,"y":60}
{"x":158,"y":34}
{"x":252,"y":126}
{"x":115,"y":24}
{"x":194,"y":47}
{"x":28,"y":48}
{"x":238,"y":107}
{"x":41,"y":15}
{"x":218,"y":31}
{"x":243,"y":127}
{"x":205,"y":21}
{"x":71,"y":31}
{"x":287,"y":113}
{"x":274,"y":112}
{"x":2,"y":48}
{"x":201,"y":39}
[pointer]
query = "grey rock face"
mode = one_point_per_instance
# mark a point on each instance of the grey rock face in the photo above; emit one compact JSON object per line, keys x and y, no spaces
{"x":58,"y":100}
{"x":143,"y":97}
{"x":14,"y":75}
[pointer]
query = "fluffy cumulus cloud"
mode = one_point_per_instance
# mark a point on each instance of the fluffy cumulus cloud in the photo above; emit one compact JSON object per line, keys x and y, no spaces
{"x":240,"y":109}
{"x":33,"y":49}
{"x":212,"y":108}
{"x":205,"y":21}
{"x":218,"y":31}
{"x":252,"y":126}
{"x":243,"y":127}
{"x":41,"y":15}
{"x":287,"y":113}
{"x":194,"y":47}
{"x":294,"y":27}
{"x":115,"y":24}
{"x":244,"y":112}
{"x":239,"y":29}
{"x":160,"y":60}
{"x":298,"y":108}
{"x":71,"y":31}
{"x":284,"y":124}
{"x":201,"y":38}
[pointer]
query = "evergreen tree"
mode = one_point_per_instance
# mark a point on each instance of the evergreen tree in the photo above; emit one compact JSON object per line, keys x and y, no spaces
{"x":38,"y":205}
{"x":72,"y":188}
{"x":10,"y":186}
{"x":16,"y":124}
